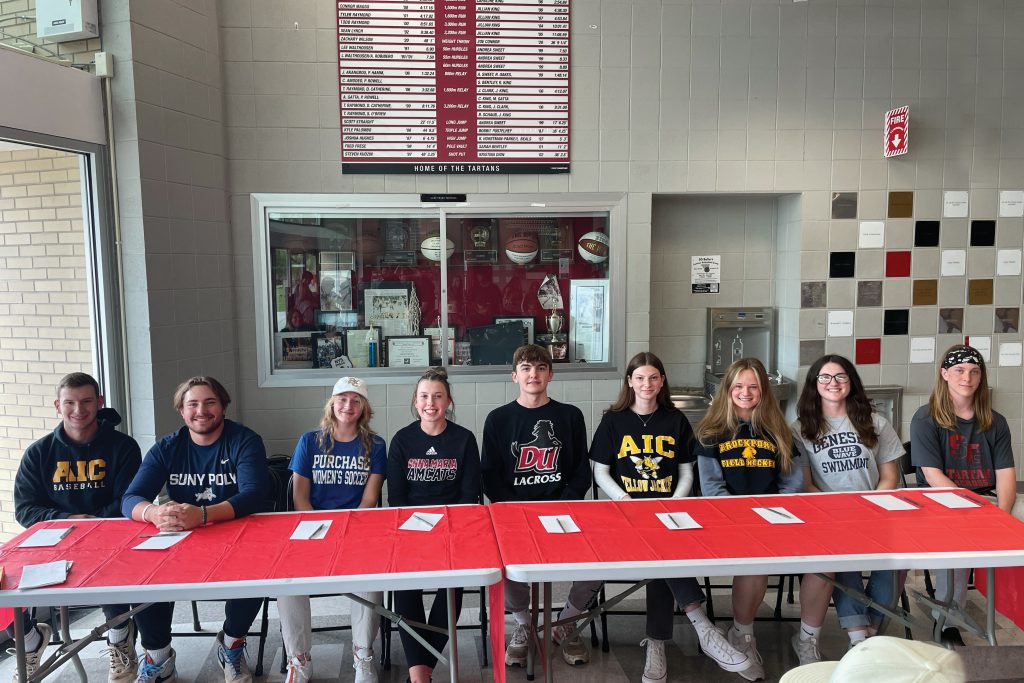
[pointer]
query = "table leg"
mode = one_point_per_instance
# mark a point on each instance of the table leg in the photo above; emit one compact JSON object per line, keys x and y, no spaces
{"x":453,"y":638}
{"x":19,"y":644}
{"x":990,"y":608}
{"x":65,"y":636}
{"x":531,"y":634}
{"x":548,"y":650}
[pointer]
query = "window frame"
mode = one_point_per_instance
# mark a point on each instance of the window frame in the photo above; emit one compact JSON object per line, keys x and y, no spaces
{"x":264,"y":204}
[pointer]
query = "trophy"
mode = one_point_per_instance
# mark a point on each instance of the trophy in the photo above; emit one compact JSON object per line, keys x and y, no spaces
{"x":554,"y":321}
{"x":480,"y":234}
{"x":550,"y":297}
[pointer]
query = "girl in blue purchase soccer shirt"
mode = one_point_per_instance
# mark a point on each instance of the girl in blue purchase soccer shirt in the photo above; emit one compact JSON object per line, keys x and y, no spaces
{"x":846,"y":446}
{"x":643,"y":449}
{"x":745,"y":448}
{"x":433,"y":461}
{"x":337,"y":467}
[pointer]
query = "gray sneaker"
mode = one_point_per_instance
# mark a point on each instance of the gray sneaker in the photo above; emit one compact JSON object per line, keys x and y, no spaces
{"x":655,"y":666}
{"x":574,"y":650}
{"x":32,"y":659}
{"x":518,"y":644}
{"x":124,"y":663}
{"x":748,"y":645}
{"x":806,"y":650}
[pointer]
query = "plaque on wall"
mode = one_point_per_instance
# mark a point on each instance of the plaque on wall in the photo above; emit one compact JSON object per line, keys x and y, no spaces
{"x":479,"y":241}
{"x":555,"y":243}
{"x":397,"y":240}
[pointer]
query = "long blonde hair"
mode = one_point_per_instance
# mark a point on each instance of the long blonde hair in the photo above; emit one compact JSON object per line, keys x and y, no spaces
{"x":940,"y":405}
{"x":721,"y":421}
{"x":325,"y":439}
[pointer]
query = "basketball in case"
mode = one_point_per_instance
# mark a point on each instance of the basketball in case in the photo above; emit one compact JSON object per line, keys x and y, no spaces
{"x":593,"y":247}
{"x":521,"y":247}
{"x":431,"y":247}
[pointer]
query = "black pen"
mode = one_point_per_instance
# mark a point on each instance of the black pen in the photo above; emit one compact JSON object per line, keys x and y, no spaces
{"x":163,"y":534}
{"x":430,"y":525}
{"x":781,"y":513}
{"x":562,"y":525}
{"x":906,"y":500}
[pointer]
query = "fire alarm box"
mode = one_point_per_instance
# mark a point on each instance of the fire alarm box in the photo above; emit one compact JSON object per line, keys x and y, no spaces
{"x":63,"y":20}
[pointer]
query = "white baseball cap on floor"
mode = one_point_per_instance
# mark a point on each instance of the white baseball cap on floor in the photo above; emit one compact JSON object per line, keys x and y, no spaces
{"x":883,"y":658}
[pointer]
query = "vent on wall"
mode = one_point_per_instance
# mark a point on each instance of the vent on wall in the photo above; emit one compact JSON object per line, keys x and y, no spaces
{"x":63,"y":20}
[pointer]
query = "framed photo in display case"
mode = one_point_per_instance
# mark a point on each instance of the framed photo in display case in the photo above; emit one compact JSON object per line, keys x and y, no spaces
{"x":495,"y":344}
{"x":527,"y":322}
{"x":435,"y":344}
{"x":329,"y":350}
{"x":589,"y":320}
{"x":409,"y":351}
{"x":294,"y":350}
{"x":387,"y":309}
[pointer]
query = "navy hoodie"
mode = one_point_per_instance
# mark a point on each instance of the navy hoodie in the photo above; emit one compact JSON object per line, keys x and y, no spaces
{"x":58,"y":478}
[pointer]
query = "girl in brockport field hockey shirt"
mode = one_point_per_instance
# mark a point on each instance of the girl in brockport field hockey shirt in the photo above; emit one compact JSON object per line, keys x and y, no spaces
{"x":339,"y":466}
{"x":432,"y":461}
{"x":745,"y":448}
{"x":643,"y":449}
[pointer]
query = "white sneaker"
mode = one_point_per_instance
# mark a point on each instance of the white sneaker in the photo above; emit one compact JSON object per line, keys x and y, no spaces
{"x":748,"y":645}
{"x":157,"y":673}
{"x":655,"y":668}
{"x":366,"y":672}
{"x":518,"y":644}
{"x":124,"y":663}
{"x":300,"y":669}
{"x":714,"y":645}
{"x":574,"y":650}
{"x":236,"y":668}
{"x":806,"y":650}
{"x":33,"y":658}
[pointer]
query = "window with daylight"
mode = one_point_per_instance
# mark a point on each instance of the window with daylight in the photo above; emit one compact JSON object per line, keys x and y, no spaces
{"x":390,"y":287}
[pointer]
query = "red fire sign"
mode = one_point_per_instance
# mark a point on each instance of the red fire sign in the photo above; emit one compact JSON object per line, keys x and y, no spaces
{"x":897,"y":131}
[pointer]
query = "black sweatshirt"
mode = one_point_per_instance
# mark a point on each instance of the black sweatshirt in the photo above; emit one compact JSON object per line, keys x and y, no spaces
{"x":433,"y":470}
{"x":58,"y":478}
{"x":535,"y":453}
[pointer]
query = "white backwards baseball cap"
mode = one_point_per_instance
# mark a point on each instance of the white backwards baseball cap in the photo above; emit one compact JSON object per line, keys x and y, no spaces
{"x":883,"y":658}
{"x":353,"y":384}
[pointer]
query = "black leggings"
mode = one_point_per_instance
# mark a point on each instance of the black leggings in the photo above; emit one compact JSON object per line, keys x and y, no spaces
{"x":409,"y":604}
{"x":154,"y":622}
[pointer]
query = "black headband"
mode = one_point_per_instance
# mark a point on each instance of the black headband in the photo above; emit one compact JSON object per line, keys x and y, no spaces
{"x":966,"y":354}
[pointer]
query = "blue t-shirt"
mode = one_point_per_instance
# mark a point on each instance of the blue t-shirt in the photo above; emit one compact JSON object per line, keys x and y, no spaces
{"x":337,"y":478}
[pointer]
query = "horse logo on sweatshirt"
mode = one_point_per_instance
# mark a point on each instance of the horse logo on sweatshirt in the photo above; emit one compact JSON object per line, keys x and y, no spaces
{"x":541,"y":454}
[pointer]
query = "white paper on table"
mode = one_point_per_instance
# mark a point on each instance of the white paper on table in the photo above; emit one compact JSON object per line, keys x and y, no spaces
{"x":778,"y":515}
{"x":951,"y":500}
{"x":44,"y":538}
{"x":559,"y":524}
{"x":311,"y":530}
{"x":162,"y":540}
{"x":678,"y":520}
{"x":48,"y":574}
{"x":422,"y":521}
{"x":889,"y":501}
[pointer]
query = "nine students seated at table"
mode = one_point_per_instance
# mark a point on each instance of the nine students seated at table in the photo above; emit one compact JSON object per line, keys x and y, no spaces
{"x":745,"y":448}
{"x":81,"y":469}
{"x":535,"y":448}
{"x":432,"y":461}
{"x":213,"y":470}
{"x":958,"y":440}
{"x":643,"y":448}
{"x":846,"y":446}
{"x":339,"y":466}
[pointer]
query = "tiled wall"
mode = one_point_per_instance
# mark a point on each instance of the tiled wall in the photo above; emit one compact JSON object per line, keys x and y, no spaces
{"x":44,"y":301}
{"x":744,"y":96}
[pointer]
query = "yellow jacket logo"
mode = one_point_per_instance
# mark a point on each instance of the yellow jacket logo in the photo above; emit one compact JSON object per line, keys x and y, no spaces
{"x":79,"y":470}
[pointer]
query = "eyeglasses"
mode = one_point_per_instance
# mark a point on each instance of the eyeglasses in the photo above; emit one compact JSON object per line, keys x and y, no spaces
{"x":825,"y":378}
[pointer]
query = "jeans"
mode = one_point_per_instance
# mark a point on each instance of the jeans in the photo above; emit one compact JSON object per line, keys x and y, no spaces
{"x":154,"y":622}
{"x":410,"y":605}
{"x":662,"y":597}
{"x":853,"y":613}
{"x":517,"y":595}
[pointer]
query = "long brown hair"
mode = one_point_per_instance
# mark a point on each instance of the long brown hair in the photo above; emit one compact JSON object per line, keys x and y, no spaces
{"x":940,"y":405}
{"x":325,"y":439}
{"x":721,"y":421}
{"x":858,"y":405}
{"x":626,"y":394}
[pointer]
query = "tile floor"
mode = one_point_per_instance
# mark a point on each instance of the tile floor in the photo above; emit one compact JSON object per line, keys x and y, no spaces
{"x":623,"y":663}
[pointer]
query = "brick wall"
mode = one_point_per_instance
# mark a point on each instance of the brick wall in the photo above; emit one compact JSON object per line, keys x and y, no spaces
{"x":44,"y":304}
{"x":17,"y":18}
